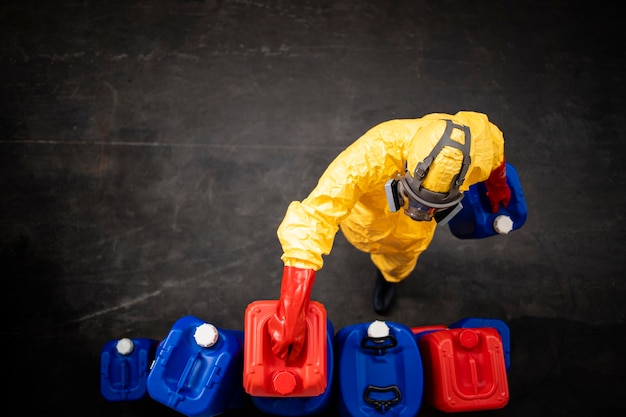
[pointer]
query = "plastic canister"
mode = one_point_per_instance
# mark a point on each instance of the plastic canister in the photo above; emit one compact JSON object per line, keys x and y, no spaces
{"x":378,"y":370}
{"x":499,"y":325}
{"x":475,"y":220}
{"x":124,"y":367}
{"x":464,"y":369}
{"x":473,"y":322}
{"x":419,"y":331}
{"x":303,"y":406}
{"x":197,"y":368}
{"x":264,"y":374}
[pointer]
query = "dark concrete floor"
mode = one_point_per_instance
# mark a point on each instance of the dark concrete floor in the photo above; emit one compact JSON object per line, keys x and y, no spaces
{"x":149,"y":149}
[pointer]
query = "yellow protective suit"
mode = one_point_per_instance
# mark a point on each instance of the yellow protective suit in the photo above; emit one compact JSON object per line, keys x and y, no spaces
{"x":350,"y":194}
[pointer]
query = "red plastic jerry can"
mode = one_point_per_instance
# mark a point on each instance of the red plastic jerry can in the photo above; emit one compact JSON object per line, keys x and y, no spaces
{"x":464,"y":369}
{"x":265,"y":375}
{"x":419,"y":331}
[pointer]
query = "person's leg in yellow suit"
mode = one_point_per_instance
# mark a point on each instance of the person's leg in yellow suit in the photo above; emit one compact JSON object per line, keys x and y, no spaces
{"x":394,"y":253}
{"x":393,"y":264}
{"x":392,"y":268}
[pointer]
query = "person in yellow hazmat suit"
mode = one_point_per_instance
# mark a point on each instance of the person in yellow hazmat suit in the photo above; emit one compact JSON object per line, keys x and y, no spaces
{"x":383,"y":192}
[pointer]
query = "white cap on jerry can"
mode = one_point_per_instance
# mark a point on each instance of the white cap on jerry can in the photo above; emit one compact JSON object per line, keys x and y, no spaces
{"x":124,"y":346}
{"x":206,"y":335}
{"x":503,"y":224}
{"x":377,"y":329}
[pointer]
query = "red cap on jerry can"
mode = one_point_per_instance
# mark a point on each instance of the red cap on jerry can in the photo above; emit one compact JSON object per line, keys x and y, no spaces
{"x":284,"y":382}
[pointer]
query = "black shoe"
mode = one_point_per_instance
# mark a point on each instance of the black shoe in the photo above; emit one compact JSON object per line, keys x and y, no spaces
{"x":384,"y":294}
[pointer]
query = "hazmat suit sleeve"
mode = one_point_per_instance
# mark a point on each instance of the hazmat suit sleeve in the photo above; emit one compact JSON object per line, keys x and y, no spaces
{"x":309,"y":227}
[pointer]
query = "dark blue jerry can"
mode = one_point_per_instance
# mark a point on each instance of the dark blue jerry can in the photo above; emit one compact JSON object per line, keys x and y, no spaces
{"x":475,"y":220}
{"x":499,"y":325}
{"x":303,"y":406}
{"x":124,"y":368}
{"x":378,"y":370}
{"x":197,"y":369}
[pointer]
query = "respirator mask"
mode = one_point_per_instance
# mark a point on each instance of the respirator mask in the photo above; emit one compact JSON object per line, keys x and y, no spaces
{"x":423,"y":204}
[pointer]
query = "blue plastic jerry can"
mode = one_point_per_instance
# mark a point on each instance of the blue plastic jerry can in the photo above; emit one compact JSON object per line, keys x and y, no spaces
{"x":124,"y":368}
{"x":378,"y":370}
{"x":197,"y":369}
{"x":499,"y":325}
{"x":475,"y":220}
{"x":303,"y":406}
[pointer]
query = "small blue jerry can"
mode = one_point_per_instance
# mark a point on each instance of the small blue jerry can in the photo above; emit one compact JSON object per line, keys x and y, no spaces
{"x":475,"y":220}
{"x":124,"y":367}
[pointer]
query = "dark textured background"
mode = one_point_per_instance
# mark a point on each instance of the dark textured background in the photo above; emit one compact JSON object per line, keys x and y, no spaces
{"x":149,"y":149}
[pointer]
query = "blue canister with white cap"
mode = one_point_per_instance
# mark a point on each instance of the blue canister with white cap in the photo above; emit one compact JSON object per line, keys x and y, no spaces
{"x":197,"y":369}
{"x":475,"y":219}
{"x":124,"y":368}
{"x":378,"y":370}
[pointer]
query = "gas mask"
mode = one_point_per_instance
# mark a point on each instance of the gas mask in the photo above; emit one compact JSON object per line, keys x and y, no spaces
{"x":423,"y":204}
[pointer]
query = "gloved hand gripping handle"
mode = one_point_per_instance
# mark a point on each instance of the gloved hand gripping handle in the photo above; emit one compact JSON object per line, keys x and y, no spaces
{"x":498,"y":190}
{"x":287,"y":327}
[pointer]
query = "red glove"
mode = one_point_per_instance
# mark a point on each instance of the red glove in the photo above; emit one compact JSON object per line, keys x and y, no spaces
{"x":498,"y":190}
{"x":287,"y":327}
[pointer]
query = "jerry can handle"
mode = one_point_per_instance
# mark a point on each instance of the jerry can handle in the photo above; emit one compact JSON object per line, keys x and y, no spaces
{"x":380,"y":404}
{"x":379,"y":344}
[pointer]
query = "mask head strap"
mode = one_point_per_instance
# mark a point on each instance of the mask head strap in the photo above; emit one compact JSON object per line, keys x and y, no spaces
{"x":413,"y":184}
